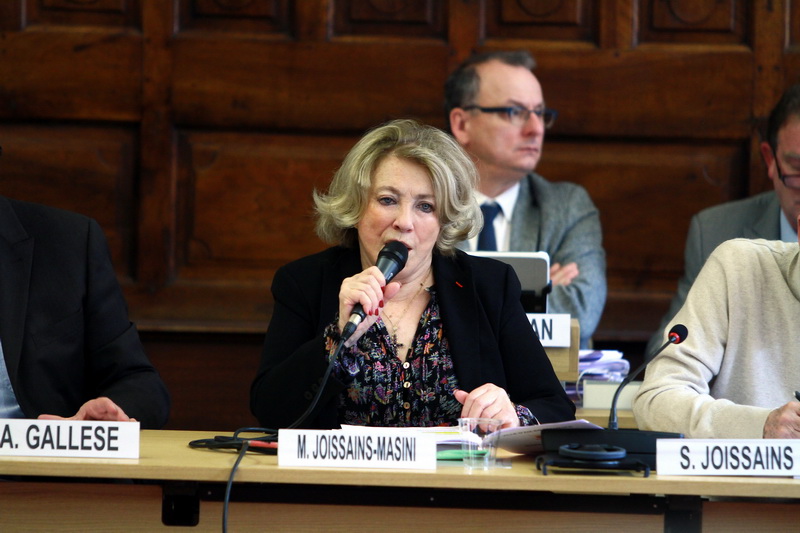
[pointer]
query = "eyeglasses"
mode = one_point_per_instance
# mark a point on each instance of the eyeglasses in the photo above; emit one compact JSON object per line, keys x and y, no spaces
{"x":790,"y":181}
{"x":518,"y":115}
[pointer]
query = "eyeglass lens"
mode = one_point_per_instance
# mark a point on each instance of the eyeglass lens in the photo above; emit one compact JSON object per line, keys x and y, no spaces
{"x":791,"y":181}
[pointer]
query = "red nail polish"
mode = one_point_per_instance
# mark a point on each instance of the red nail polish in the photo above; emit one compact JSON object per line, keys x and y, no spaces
{"x":381,"y":304}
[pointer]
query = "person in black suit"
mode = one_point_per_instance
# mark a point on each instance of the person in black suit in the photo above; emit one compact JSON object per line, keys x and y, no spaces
{"x":446,"y":338}
{"x":68,"y":348}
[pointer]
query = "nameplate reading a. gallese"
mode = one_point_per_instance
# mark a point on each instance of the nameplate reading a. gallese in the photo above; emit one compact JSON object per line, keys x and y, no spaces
{"x":69,"y":438}
{"x":727,"y":457}
{"x":395,"y":448}
{"x":553,"y":329}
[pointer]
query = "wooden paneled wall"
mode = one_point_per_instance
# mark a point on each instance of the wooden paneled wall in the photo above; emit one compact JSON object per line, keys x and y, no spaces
{"x":195,"y":130}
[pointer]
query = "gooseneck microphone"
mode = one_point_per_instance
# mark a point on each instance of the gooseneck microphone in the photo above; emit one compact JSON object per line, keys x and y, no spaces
{"x":676,"y":335}
{"x":391,"y":260}
{"x":611,"y":448}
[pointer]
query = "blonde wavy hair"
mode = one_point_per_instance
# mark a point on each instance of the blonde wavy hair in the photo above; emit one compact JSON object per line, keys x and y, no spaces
{"x":453,"y":176}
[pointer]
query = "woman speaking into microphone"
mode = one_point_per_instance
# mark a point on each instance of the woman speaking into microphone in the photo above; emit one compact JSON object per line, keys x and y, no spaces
{"x":446,"y":337}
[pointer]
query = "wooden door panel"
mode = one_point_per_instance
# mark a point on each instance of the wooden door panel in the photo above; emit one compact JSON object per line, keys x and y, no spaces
{"x":645,"y":94}
{"x":89,"y":170}
{"x":646,"y":194}
{"x":553,"y":21}
{"x":331,"y":87}
{"x":695,"y":21}
{"x":246,"y":202}
{"x":70,"y":60}
{"x":196,"y":129}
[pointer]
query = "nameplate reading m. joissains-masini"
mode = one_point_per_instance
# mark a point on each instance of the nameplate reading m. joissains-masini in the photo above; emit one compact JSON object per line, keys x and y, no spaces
{"x":395,"y":448}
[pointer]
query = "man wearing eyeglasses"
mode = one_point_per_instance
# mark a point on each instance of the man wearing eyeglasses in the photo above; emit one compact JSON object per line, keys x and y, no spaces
{"x":496,"y":111}
{"x":769,"y":215}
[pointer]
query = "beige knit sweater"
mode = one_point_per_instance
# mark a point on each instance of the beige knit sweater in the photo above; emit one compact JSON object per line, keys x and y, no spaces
{"x":741,"y":358}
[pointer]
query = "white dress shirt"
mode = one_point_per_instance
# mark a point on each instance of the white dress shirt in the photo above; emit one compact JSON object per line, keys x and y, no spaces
{"x":9,"y":408}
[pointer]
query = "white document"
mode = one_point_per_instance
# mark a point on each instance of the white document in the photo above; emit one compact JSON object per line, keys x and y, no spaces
{"x":528,"y":439}
{"x":523,"y":440}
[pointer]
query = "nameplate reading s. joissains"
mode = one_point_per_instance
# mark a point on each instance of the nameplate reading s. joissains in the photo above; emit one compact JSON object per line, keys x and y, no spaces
{"x":69,"y":438}
{"x":395,"y":448}
{"x":727,"y":457}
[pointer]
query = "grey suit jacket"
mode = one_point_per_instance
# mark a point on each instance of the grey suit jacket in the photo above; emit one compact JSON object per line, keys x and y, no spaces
{"x":756,"y":217}
{"x":559,"y":218}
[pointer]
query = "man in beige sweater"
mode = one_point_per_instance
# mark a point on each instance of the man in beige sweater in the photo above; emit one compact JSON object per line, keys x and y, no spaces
{"x":736,"y":373}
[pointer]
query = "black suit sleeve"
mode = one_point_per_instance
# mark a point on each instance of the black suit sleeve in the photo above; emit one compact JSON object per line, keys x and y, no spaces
{"x":78,"y":342}
{"x":491,"y":338}
{"x":528,"y":371}
{"x":116,"y":364}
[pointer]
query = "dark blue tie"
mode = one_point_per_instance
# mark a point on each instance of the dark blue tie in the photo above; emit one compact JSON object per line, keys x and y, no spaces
{"x":486,"y":239}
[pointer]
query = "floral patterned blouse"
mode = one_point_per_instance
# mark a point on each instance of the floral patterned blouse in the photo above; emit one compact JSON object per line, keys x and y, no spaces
{"x":385,"y":391}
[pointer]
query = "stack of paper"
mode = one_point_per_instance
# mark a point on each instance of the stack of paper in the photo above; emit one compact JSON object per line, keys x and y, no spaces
{"x":597,"y":365}
{"x":602,"y":365}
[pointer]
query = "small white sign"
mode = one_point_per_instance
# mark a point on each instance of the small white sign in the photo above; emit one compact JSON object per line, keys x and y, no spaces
{"x":553,"y":330}
{"x":69,"y":438}
{"x":371,"y":448}
{"x":727,"y":457}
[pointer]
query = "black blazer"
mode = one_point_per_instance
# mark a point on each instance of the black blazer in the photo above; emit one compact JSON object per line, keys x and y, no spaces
{"x":484,"y":322}
{"x":64,"y":324}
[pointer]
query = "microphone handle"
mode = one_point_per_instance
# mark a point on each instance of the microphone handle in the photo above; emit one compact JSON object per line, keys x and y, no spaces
{"x":389,"y":265}
{"x":356,"y":316}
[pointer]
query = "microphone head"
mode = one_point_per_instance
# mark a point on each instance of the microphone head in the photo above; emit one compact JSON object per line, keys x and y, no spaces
{"x":396,"y":251}
{"x":392,"y":259}
{"x":678,"y":334}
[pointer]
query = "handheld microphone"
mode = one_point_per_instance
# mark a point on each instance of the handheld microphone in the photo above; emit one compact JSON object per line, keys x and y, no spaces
{"x":676,"y":335}
{"x":391,"y":260}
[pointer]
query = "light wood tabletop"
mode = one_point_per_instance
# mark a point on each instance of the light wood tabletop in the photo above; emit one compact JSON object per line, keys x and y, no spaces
{"x":166,"y":455}
{"x":137,"y":494}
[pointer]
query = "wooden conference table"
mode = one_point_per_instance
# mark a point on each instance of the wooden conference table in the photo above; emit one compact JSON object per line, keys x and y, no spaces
{"x":171,"y":481}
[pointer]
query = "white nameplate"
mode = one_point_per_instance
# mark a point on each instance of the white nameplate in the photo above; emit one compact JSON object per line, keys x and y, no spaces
{"x":553,"y":330}
{"x":727,"y":457}
{"x":69,"y":438}
{"x":370,"y":448}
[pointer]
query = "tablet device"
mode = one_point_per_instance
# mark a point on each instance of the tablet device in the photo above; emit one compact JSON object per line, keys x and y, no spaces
{"x":533,"y":271}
